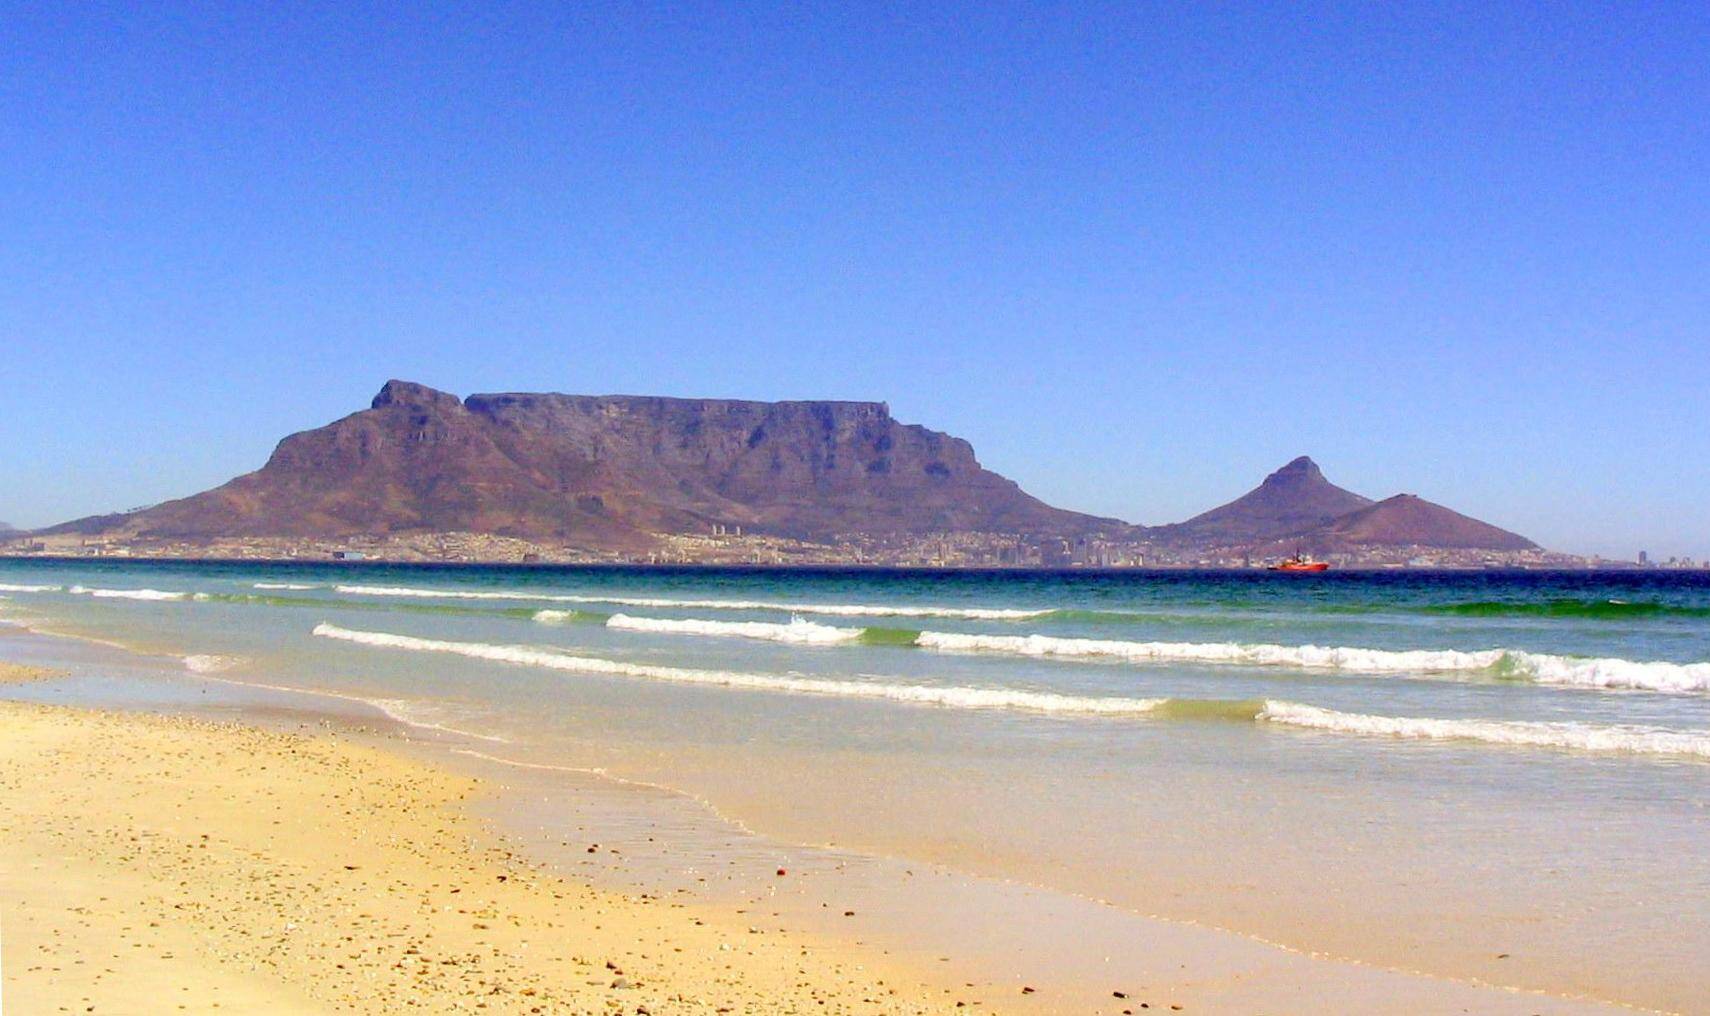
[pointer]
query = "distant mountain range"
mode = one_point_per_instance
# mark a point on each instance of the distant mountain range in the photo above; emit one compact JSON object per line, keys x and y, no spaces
{"x":619,"y":472}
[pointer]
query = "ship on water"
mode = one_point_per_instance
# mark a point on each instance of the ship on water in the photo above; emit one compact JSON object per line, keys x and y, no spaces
{"x":1299,"y":563}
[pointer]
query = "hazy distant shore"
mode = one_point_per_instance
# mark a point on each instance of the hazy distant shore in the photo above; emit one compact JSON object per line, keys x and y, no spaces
{"x":327,"y":561}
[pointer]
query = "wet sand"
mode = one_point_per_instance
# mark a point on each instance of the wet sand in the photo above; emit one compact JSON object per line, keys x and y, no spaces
{"x":13,"y":673}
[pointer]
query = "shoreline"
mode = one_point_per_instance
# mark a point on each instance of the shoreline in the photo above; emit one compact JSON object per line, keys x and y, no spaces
{"x":1162,"y":963}
{"x":316,"y":873}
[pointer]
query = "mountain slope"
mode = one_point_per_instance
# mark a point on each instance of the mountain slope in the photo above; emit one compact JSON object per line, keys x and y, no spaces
{"x":606,"y":471}
{"x":1407,"y":520}
{"x":1293,"y":500}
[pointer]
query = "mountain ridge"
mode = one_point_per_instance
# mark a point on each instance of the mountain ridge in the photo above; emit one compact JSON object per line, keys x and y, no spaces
{"x":619,"y":473}
{"x":607,"y":470}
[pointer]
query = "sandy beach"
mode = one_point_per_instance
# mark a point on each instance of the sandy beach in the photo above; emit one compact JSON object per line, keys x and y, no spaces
{"x":158,"y":864}
{"x":166,"y":863}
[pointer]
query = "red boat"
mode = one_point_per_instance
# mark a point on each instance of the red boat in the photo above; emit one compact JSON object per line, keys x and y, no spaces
{"x":1300,"y":563}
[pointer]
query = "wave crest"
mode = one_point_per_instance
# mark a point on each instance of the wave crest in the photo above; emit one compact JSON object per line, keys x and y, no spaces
{"x":127,"y":594}
{"x":953,"y":696}
{"x":1575,"y":736}
{"x":798,"y":631}
{"x":833,"y":609}
{"x":1259,"y":654}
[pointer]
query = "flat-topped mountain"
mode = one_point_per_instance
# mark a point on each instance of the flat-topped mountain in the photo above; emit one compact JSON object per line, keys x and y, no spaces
{"x":607,"y":471}
{"x":1294,"y":499}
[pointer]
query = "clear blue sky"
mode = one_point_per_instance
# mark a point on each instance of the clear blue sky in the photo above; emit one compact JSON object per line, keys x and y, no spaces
{"x":1139,"y":254}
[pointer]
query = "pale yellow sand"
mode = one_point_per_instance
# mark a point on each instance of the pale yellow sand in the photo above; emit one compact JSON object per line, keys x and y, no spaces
{"x":156,"y":865}
{"x":152,"y":864}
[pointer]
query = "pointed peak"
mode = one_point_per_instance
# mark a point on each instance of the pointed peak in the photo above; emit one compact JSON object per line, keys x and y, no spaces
{"x":1302,"y":468}
{"x":409,"y":393}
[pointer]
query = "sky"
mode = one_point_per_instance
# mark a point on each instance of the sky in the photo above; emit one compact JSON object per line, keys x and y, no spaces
{"x":1139,"y":254}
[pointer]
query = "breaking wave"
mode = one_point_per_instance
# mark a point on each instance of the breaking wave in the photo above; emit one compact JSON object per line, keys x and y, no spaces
{"x":1508,"y":664}
{"x":798,"y":631}
{"x":13,"y":588}
{"x":1568,"y":736}
{"x":1260,"y":654}
{"x":951,"y":696}
{"x":567,"y":616}
{"x":128,"y":594}
{"x":833,"y":609}
{"x":1585,"y":672}
{"x":1573,"y":736}
{"x":286,"y":585}
{"x":209,"y":663}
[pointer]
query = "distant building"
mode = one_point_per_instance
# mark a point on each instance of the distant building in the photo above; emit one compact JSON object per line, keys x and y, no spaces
{"x":1644,"y":558}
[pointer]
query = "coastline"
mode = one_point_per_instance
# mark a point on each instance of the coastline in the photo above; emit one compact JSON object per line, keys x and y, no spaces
{"x":317,"y":874}
{"x":92,"y":786}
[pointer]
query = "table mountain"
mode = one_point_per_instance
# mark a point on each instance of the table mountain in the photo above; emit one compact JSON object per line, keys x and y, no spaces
{"x":607,"y":471}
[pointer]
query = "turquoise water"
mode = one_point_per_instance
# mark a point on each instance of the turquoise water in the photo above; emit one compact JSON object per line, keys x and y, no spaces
{"x":1427,"y":771}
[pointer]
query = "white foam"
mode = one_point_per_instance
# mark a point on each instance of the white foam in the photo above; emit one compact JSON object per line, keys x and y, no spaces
{"x":798,"y":631}
{"x":1575,"y":736}
{"x":1584,"y":672}
{"x":834,"y":609}
{"x":1260,"y":654}
{"x":1542,"y":668}
{"x":952,"y":696}
{"x":405,"y":711}
{"x":12,"y":588}
{"x":208,"y":663}
{"x":417,"y":714}
{"x":128,"y":594}
{"x":285,"y":585}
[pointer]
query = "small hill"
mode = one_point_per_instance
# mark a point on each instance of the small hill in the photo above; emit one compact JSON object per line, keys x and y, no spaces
{"x":1407,"y":520}
{"x":1295,"y":499}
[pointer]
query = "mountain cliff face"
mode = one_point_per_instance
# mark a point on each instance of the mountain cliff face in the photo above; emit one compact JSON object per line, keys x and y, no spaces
{"x":607,"y":471}
{"x":1293,"y":500}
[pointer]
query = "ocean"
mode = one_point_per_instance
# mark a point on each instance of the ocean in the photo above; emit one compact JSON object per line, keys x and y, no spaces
{"x":1496,"y":776}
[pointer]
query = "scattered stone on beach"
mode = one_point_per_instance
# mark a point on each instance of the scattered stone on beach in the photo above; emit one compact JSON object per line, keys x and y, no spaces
{"x":226,"y":887}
